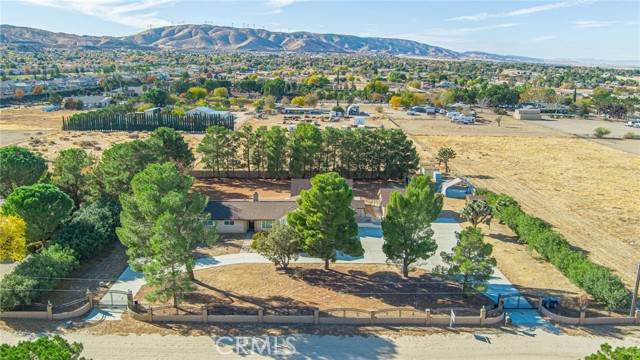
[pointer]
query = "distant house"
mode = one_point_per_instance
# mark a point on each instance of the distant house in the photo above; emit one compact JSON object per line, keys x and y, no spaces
{"x":203,"y":110}
{"x":446,"y":84}
{"x":93,"y":102}
{"x":384,"y":197}
{"x":241,"y":216}
{"x":297,"y":185}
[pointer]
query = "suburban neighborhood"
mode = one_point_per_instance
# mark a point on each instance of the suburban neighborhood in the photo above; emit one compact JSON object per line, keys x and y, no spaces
{"x":209,"y":191}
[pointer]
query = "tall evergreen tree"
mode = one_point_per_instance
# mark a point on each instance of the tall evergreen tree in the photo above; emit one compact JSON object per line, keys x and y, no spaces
{"x":19,"y":167}
{"x":277,"y":150}
{"x":305,"y":142}
{"x":258,"y":153}
{"x":169,"y":145}
{"x":402,"y":157}
{"x":325,"y":220}
{"x":215,"y":147}
{"x":69,"y":172}
{"x":162,"y":213}
{"x":408,"y":236}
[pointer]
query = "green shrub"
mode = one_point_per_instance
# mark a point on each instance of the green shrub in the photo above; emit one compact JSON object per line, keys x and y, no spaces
{"x":597,"y":280}
{"x":601,"y":132}
{"x":259,"y":234}
{"x":40,"y":271}
{"x":499,"y":111}
{"x":607,"y":352}
{"x":42,"y":348}
{"x":631,"y":135}
{"x":92,"y":228}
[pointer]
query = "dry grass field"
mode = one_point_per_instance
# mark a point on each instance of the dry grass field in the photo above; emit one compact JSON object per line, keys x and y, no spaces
{"x":244,"y":287}
{"x":587,"y":191}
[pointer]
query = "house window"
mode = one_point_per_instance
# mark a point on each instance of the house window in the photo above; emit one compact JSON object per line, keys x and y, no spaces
{"x":210,"y":223}
{"x":267,"y":224}
{"x":229,"y":222}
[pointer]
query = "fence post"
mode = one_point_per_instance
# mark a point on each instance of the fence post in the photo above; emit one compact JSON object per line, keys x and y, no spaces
{"x":637,"y":316}
{"x":427,"y":318}
{"x":483,"y":315}
{"x":49,"y":310}
{"x":205,"y":314}
{"x":316,"y":315}
{"x":372,"y":317}
{"x":90,"y":298}
{"x":260,"y":315}
{"x":583,"y":314}
{"x":150,"y":314}
{"x":540,"y":305}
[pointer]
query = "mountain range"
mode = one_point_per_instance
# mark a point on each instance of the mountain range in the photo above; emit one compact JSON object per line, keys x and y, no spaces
{"x":224,"y":38}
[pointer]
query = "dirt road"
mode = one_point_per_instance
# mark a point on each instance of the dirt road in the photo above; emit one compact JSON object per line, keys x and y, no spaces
{"x":489,"y":344}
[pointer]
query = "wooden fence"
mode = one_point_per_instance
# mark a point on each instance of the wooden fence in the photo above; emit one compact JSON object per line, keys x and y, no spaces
{"x":337,"y":316}
{"x":95,"y":121}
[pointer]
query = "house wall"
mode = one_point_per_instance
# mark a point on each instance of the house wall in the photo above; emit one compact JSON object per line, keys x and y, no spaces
{"x":258,"y":226}
{"x":240,"y":227}
{"x":359,"y":212}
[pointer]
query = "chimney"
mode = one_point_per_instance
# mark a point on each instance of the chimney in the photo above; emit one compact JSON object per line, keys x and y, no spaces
{"x":255,"y":196}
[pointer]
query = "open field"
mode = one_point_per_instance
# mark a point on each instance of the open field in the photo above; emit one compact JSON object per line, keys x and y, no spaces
{"x":585,"y":128}
{"x":585,"y":190}
{"x":244,"y":287}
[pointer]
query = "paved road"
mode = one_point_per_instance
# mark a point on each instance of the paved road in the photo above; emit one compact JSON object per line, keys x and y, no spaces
{"x":489,"y":344}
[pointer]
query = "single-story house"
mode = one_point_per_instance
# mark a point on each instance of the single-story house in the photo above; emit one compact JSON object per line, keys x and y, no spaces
{"x":297,"y":185}
{"x":94,"y":101}
{"x":203,"y":110}
{"x":457,"y":188}
{"x":384,"y":196}
{"x":527,"y":114}
{"x":241,"y":216}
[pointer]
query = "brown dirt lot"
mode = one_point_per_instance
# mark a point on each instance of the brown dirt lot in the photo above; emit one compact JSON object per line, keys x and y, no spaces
{"x":373,"y":119}
{"x":244,"y":287}
{"x":585,"y":190}
{"x":226,"y":244}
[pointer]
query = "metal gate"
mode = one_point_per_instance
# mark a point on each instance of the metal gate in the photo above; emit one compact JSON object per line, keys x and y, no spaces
{"x":114,"y":299}
{"x":515,"y":301}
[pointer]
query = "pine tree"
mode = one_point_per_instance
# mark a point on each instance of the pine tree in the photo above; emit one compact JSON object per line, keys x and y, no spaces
{"x":408,"y":236}
{"x":470,"y":261}
{"x":325,"y":220}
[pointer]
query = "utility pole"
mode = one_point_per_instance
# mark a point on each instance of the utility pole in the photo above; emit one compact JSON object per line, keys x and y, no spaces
{"x":634,"y":301}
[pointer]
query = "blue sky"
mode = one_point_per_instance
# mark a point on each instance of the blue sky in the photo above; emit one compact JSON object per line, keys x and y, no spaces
{"x":548,"y":29}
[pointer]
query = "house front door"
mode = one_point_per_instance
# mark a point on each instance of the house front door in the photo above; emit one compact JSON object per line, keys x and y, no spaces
{"x":252,"y":226}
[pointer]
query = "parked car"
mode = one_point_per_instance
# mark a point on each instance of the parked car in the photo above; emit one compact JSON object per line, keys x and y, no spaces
{"x":633,"y":124}
{"x":411,"y":112}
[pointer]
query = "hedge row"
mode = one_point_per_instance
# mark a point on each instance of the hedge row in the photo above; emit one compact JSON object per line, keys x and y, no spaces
{"x":596,"y":280}
{"x":87,"y":234}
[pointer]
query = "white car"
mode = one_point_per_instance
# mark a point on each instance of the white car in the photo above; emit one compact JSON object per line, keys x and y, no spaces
{"x":633,"y":124}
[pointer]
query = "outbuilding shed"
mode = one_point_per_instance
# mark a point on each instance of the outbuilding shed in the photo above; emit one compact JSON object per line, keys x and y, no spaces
{"x":457,"y":188}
